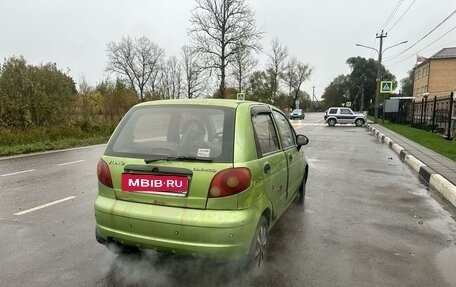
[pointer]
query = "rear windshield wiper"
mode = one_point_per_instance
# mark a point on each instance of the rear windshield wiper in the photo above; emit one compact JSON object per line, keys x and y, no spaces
{"x":174,"y":158}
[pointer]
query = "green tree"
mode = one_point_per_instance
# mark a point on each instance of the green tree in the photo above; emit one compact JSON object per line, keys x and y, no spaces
{"x":34,"y":95}
{"x":230,"y":93}
{"x":363,"y":79}
{"x":407,"y":84}
{"x":116,"y":99}
{"x":14,"y":83}
{"x":260,"y":87}
{"x":305,"y":102}
{"x":53,"y":96}
{"x":283,"y":102}
{"x":336,"y":93}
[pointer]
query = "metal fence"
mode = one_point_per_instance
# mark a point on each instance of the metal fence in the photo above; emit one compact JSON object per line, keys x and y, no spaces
{"x":436,"y":114}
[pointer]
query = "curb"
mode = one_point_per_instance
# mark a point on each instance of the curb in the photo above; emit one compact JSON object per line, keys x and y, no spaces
{"x":432,"y":178}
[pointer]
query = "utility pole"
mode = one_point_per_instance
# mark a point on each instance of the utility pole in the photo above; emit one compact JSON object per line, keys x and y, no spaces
{"x":313,"y":98}
{"x":363,"y":78}
{"x":379,"y":64}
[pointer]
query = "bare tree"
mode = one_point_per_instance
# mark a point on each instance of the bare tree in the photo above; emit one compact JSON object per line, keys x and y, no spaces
{"x":217,"y":28}
{"x":193,"y":73}
{"x":171,"y":80}
{"x":242,"y":66}
{"x":137,"y":60}
{"x":295,"y":75}
{"x":276,"y":64}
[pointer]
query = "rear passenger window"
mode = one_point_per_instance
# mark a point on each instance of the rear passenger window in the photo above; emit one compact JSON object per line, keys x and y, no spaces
{"x":333,"y":111}
{"x":266,"y":135}
{"x":286,"y":133}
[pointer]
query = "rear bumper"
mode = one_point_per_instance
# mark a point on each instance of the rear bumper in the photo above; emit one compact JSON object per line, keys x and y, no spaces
{"x":221,"y":234}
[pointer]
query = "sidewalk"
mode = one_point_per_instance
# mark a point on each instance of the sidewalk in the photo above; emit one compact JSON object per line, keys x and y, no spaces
{"x":438,"y":171}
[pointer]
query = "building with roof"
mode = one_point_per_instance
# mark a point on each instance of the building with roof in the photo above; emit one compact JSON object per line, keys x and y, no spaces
{"x":434,"y":89}
{"x":436,"y":75}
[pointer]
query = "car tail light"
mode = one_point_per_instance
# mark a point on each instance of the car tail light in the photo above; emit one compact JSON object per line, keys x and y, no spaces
{"x":229,"y":182}
{"x":103,"y":173}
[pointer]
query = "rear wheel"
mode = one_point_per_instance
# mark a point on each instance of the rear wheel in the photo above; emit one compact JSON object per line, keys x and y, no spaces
{"x":359,"y":122}
{"x":258,"y":249}
{"x":331,"y":122}
{"x":302,"y":193}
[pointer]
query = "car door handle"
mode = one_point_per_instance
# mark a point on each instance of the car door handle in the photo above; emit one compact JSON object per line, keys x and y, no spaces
{"x":267,"y":168}
{"x":290,"y":157}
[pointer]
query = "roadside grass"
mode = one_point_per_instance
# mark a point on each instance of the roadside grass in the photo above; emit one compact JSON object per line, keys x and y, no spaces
{"x":14,"y":142}
{"x":432,"y":141}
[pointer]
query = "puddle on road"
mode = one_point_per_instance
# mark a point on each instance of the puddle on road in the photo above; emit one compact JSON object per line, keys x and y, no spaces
{"x":444,"y":223}
{"x":445,"y":263}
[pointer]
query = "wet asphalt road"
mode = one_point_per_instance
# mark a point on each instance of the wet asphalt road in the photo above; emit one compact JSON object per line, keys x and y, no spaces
{"x":367,"y":221}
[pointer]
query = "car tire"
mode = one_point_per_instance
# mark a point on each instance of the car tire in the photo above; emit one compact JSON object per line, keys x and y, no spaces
{"x":359,"y":122}
{"x":332,"y":122}
{"x":301,"y":193}
{"x":256,"y":258}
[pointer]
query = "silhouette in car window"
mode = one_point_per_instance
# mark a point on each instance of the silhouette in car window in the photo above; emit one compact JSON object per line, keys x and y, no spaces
{"x":193,"y":133}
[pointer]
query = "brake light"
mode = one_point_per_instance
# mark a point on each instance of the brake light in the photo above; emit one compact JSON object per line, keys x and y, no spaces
{"x":103,"y":173}
{"x":229,"y":182}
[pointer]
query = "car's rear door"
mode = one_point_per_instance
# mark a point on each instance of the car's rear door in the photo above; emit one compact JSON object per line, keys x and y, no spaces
{"x":346,"y":116}
{"x":271,"y":158}
{"x":296,"y":167}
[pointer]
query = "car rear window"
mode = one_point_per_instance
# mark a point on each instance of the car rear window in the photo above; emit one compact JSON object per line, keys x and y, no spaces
{"x":175,"y":130}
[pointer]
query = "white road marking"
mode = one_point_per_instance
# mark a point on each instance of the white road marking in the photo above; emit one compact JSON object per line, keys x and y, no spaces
{"x":45,"y":205}
{"x":18,"y":172}
{"x":309,"y":124}
{"x":71,"y":162}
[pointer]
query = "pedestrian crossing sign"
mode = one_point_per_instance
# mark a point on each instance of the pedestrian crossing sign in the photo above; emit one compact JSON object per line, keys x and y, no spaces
{"x":386,"y":87}
{"x":240,"y":96}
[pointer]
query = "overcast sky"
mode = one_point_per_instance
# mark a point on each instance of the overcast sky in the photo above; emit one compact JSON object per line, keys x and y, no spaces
{"x":322,"y":34}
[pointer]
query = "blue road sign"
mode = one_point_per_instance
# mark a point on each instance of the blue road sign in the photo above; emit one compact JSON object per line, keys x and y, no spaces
{"x":386,"y":87}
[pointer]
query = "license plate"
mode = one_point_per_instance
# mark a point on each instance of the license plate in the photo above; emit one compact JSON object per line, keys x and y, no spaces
{"x":149,"y":183}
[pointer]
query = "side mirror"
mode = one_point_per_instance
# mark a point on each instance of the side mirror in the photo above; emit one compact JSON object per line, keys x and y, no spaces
{"x":301,"y":140}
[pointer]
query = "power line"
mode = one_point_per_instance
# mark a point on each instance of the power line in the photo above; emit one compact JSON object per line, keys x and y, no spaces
{"x":401,"y":16}
{"x":430,"y":32}
{"x":449,"y":31}
{"x":392,"y":14}
{"x":389,"y":19}
{"x":373,"y":45}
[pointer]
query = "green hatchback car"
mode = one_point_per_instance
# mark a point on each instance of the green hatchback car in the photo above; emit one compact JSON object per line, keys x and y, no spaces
{"x":200,"y":177}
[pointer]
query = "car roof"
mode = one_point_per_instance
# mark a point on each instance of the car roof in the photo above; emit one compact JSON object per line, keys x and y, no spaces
{"x":209,"y":102}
